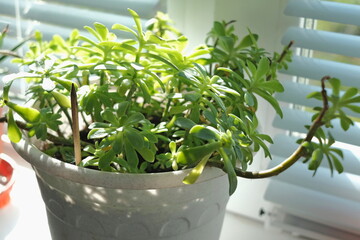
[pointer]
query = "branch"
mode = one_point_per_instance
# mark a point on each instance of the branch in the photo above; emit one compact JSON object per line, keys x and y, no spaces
{"x":299,"y":152}
{"x":282,"y":56}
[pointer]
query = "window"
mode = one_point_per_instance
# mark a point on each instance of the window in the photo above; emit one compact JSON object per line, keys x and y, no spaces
{"x":322,"y":204}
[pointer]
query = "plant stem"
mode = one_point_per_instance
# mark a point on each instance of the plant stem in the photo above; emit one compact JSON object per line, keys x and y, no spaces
{"x":282,"y":56}
{"x":298,"y":153}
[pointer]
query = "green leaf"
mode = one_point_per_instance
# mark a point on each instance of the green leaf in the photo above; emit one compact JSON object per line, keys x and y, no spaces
{"x":272,"y":85}
{"x":134,"y":118}
{"x":111,"y":67}
{"x":109,"y":116}
{"x":9,"y":79}
{"x":316,"y":95}
{"x":210,"y":117}
{"x":353,"y":108}
{"x":336,"y":85}
{"x":262,"y":68}
{"x":93,"y":32}
{"x":61,"y":99}
{"x":131,"y":156}
{"x":29,"y":114}
{"x":338,"y":165}
{"x":205,"y":132}
{"x":162,"y":59}
{"x":102,"y":30}
{"x":122,"y":108}
{"x":137,"y":22}
{"x":351,"y":92}
{"x":184,"y":123}
{"x":247,"y":41}
{"x":124,"y":28}
{"x":226,"y":89}
{"x":274,"y":103}
{"x":196,"y":171}
{"x":98,"y":133}
{"x":191,"y":155}
{"x":249,"y":99}
{"x":229,"y":168}
{"x":14,"y":132}
{"x":147,"y":154}
{"x":105,"y":160}
{"x":135,"y":138}
{"x":316,"y":159}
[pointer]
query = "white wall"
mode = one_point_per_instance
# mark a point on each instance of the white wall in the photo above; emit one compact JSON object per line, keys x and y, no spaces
{"x":264,"y":17}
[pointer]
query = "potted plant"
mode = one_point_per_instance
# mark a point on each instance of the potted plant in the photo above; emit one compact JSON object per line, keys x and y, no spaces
{"x":138,"y":140}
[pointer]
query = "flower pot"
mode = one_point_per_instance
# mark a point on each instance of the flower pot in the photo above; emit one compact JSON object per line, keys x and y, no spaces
{"x":88,"y":204}
{"x":6,"y":180}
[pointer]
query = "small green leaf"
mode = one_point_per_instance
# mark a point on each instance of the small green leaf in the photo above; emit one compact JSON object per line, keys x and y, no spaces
{"x":338,"y":165}
{"x":98,"y":133}
{"x":172,"y":147}
{"x":196,"y":171}
{"x":351,"y":92}
{"x":191,"y":155}
{"x":205,"y":132}
{"x":247,"y":41}
{"x":109,"y":116}
{"x":131,"y":156}
{"x":111,"y":67}
{"x":137,"y":22}
{"x":105,"y":160}
{"x":353,"y":108}
{"x":249,"y":99}
{"x":184,"y":123}
{"x":147,"y":154}
{"x":274,"y":103}
{"x":134,"y":118}
{"x":61,"y":99}
{"x":135,"y":138}
{"x":124,"y":28}
{"x":336,"y":84}
{"x":229,"y":168}
{"x":316,"y":95}
{"x":102,"y":30}
{"x":29,"y":114}
{"x":262,"y":68}
{"x":14,"y":132}
{"x":316,"y":159}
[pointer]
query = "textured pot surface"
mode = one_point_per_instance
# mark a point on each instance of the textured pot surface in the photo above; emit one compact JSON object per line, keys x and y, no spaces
{"x":88,"y":204}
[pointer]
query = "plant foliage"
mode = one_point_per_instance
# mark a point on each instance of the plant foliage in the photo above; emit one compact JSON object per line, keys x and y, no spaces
{"x":146,"y":105}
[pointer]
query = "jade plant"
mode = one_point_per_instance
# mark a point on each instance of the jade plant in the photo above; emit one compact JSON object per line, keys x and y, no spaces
{"x":146,"y":104}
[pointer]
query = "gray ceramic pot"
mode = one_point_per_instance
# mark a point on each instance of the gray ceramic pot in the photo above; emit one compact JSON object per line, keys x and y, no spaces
{"x":88,"y":204}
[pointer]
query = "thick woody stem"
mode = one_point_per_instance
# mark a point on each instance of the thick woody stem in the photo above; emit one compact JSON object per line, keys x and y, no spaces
{"x":299,"y":152}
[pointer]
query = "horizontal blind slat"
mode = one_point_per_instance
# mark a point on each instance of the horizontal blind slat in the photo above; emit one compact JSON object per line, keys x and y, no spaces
{"x":340,"y":185}
{"x":337,"y":43}
{"x":145,"y":8}
{"x":315,"y":206}
{"x":297,"y":93}
{"x":324,"y":10}
{"x":73,"y":17}
{"x":351,"y":161}
{"x":294,"y":120}
{"x":314,"y":68}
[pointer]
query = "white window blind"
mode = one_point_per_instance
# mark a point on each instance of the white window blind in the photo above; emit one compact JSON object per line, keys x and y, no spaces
{"x":322,"y":206}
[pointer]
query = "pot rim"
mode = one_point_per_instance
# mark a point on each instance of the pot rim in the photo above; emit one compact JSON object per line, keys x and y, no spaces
{"x":42,"y":162}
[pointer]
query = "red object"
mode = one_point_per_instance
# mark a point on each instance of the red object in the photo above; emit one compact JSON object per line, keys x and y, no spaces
{"x":6,"y":181}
